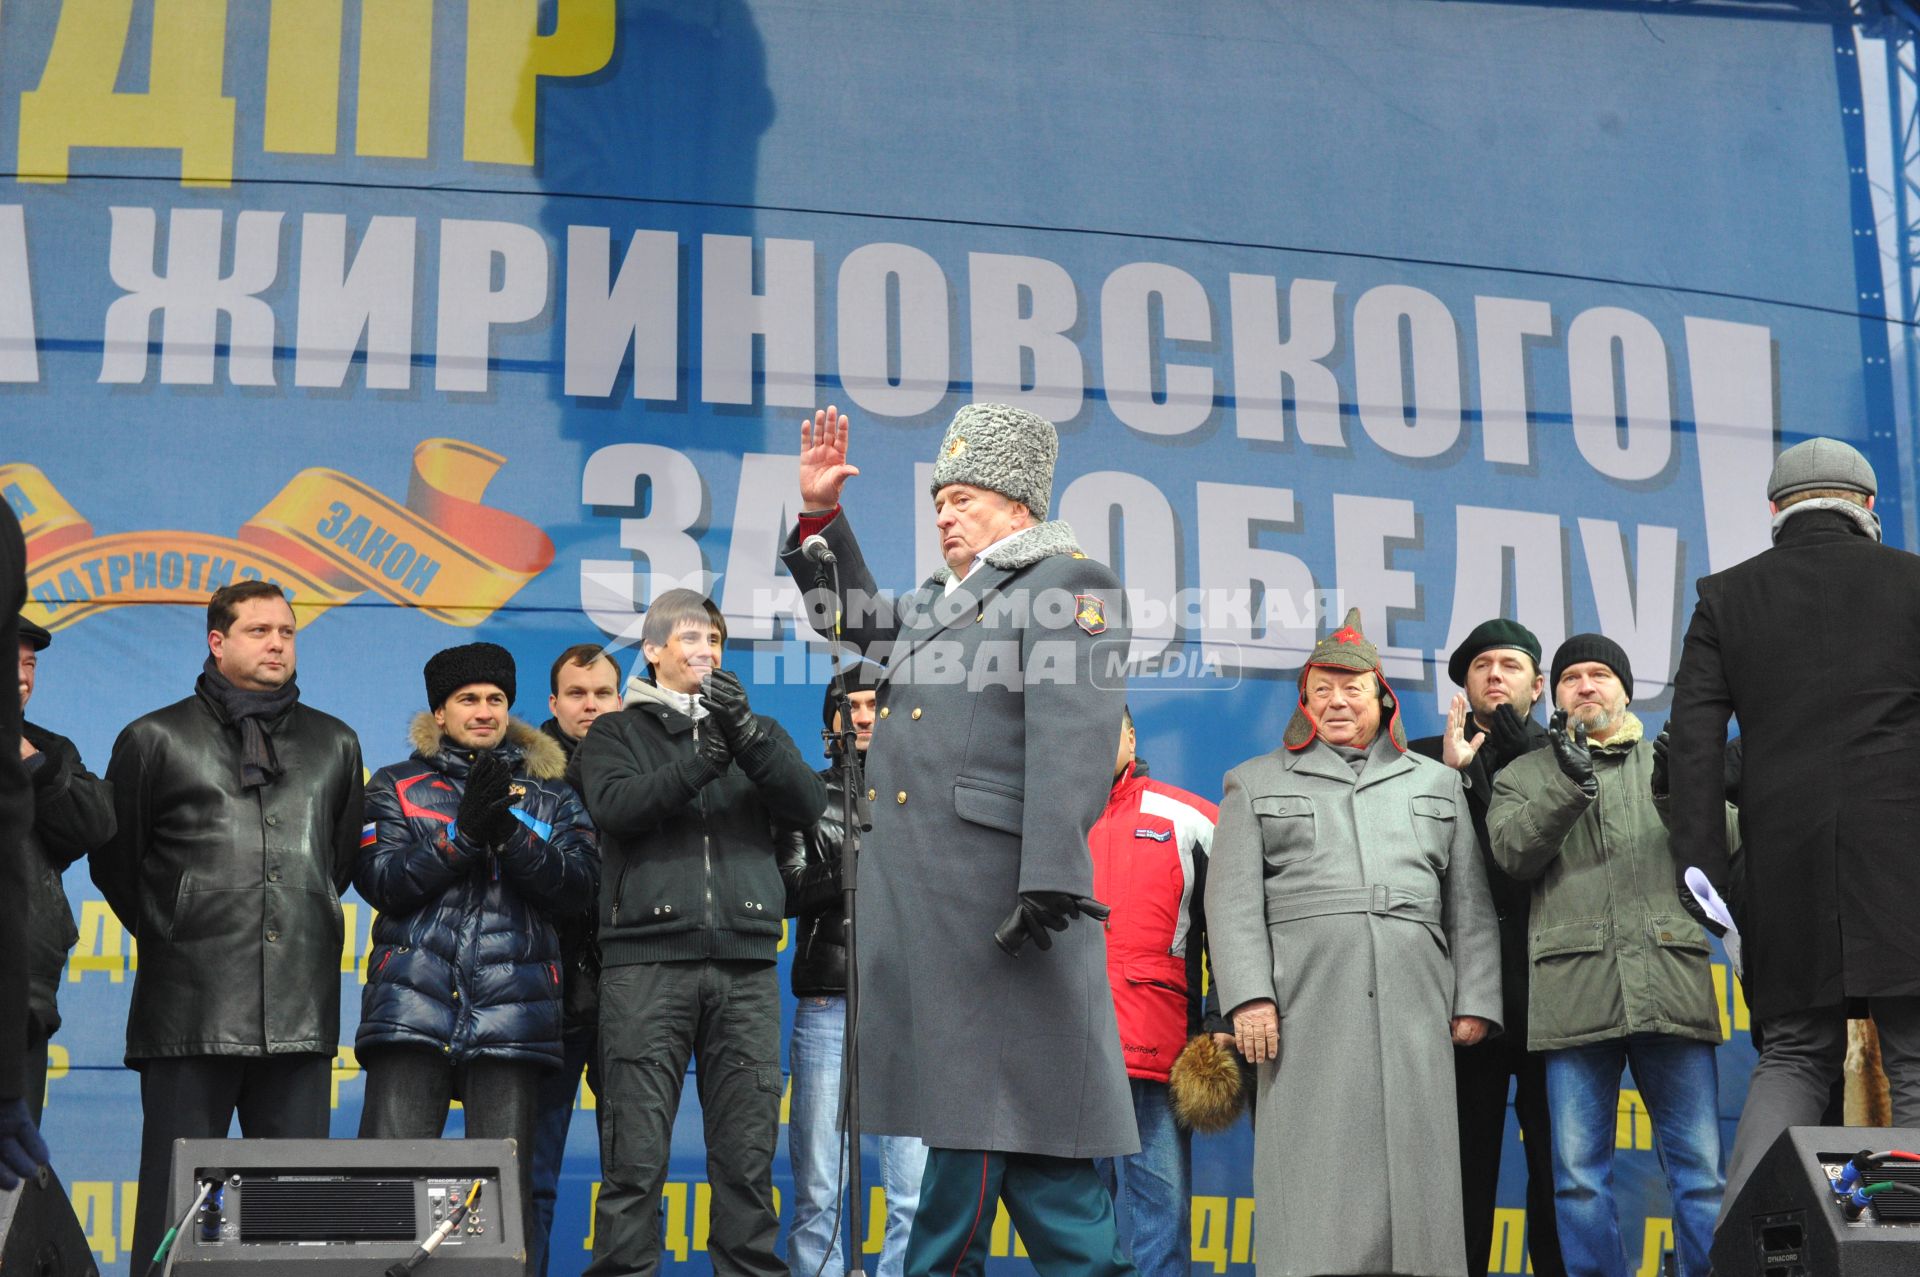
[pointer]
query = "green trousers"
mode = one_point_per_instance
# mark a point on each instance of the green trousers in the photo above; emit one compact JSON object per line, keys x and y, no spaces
{"x":1060,"y":1208}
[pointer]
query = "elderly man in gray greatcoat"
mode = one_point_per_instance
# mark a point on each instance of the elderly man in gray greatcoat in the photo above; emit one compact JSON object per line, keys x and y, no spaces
{"x":990,"y":761}
{"x":1353,"y":936}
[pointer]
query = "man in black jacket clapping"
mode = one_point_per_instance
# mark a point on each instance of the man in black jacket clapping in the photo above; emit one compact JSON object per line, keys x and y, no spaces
{"x":686,"y":785}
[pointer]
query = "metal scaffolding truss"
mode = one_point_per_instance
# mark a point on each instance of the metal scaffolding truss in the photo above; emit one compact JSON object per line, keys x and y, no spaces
{"x":1896,"y":24}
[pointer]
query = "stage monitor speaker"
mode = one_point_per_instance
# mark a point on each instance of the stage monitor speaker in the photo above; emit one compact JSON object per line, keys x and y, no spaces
{"x":1788,"y":1221}
{"x":316,"y":1208}
{"x":42,"y":1238}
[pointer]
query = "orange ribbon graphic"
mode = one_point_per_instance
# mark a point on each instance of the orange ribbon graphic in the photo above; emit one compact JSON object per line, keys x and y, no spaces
{"x":326,"y":539}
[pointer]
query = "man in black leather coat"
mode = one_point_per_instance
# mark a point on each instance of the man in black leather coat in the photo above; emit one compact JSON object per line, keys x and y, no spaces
{"x":239,"y":814}
{"x":72,"y":817}
{"x":815,"y":1143}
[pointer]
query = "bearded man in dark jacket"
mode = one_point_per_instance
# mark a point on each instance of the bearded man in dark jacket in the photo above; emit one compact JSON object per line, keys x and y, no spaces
{"x":1489,"y":724}
{"x":687,"y":785}
{"x":474,"y":845}
{"x":238,"y":814}
{"x":72,"y":816}
{"x":815,"y":1142}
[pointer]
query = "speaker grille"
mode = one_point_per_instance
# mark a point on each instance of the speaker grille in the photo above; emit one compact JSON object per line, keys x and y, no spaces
{"x":311,"y":1210}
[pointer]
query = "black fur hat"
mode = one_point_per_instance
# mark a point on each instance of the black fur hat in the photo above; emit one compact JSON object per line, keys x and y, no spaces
{"x":450,"y":670}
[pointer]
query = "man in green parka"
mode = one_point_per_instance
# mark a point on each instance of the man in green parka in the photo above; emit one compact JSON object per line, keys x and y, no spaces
{"x":1620,"y":973}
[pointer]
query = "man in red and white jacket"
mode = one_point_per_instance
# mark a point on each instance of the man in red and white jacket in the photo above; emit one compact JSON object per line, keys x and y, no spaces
{"x":1150,"y":864}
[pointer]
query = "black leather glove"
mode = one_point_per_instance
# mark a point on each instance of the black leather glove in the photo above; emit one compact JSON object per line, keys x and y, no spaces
{"x":1571,"y":752}
{"x":487,"y":783}
{"x":711,"y":746}
{"x":497,"y":823}
{"x":22,"y":1151}
{"x":1659,"y":780}
{"x":727,"y":708}
{"x":1506,"y":735}
{"x":1039,"y":912}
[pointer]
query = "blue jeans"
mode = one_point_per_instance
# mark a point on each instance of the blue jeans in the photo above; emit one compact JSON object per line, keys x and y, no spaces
{"x":552,"y":1115}
{"x":819,"y":1162}
{"x":1153,"y":1189}
{"x":1679,"y":1082}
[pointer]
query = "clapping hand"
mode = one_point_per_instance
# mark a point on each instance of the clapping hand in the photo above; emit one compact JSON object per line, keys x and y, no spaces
{"x":1506,"y":734}
{"x":485,"y":813}
{"x":727,"y":709}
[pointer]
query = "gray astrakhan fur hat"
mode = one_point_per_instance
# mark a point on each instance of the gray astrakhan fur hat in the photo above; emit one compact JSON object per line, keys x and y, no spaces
{"x":1002,"y":449}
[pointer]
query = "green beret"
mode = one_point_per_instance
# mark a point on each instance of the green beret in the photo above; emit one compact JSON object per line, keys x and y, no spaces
{"x":1486,"y":636}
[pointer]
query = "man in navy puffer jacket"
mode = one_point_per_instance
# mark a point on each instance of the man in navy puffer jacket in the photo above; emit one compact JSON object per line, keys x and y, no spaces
{"x":472,"y":847}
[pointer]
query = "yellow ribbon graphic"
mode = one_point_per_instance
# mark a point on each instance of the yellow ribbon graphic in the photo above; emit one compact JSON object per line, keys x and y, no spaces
{"x":326,"y":538}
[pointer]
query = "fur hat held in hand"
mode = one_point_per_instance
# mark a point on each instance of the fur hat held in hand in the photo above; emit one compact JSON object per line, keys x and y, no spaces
{"x":1002,"y":449}
{"x":1207,"y":1085}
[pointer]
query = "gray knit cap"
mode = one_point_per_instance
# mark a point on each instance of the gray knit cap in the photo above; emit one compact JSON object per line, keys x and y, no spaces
{"x":1001,"y":449}
{"x":1820,"y":463}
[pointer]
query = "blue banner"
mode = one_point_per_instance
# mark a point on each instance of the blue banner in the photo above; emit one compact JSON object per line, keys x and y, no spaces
{"x":494,"y":319}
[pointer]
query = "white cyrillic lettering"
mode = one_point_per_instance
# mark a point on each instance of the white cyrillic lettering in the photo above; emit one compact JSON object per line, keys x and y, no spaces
{"x":1266,"y":368}
{"x":1021,"y":311}
{"x":1130,"y":360}
{"x":731,"y":313}
{"x":1381,"y":374}
{"x":1597,"y":416}
{"x":471,"y":307}
{"x":1501,"y":326}
{"x":638,"y":308}
{"x":339,"y":305}
{"x":191,"y":296}
{"x":867,"y":367}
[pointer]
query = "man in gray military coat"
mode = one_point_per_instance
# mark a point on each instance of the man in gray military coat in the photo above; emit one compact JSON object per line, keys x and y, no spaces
{"x":1353,"y":936}
{"x":990,"y":761}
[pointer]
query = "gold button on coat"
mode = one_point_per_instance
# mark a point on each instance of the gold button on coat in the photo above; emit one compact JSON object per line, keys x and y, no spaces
{"x":870,"y":794}
{"x":883,"y":711}
{"x":900,"y":797}
{"x":916,"y":711}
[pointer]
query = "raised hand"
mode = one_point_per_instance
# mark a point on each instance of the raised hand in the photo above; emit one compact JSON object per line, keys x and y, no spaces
{"x":1658,"y":780}
{"x":1571,"y":752}
{"x":823,"y":459}
{"x":1456,"y":750}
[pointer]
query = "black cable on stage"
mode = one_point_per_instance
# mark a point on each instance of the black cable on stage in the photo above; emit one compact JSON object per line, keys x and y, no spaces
{"x":447,"y":1226}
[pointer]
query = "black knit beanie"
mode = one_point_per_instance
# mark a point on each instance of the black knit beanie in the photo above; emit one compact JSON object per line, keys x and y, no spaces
{"x":1591,"y":647}
{"x":860,"y":676}
{"x":450,"y":670}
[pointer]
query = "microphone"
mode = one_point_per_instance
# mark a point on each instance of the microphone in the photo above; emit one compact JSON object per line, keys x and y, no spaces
{"x":815,"y":548}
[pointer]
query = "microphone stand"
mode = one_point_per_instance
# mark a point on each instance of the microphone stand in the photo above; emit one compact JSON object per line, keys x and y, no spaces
{"x":847,"y":743}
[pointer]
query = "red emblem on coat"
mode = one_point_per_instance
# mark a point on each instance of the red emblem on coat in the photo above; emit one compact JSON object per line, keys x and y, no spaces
{"x":1092,"y":616}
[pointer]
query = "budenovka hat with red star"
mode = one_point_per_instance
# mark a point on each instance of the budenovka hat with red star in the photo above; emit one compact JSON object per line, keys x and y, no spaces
{"x":1350,"y":650}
